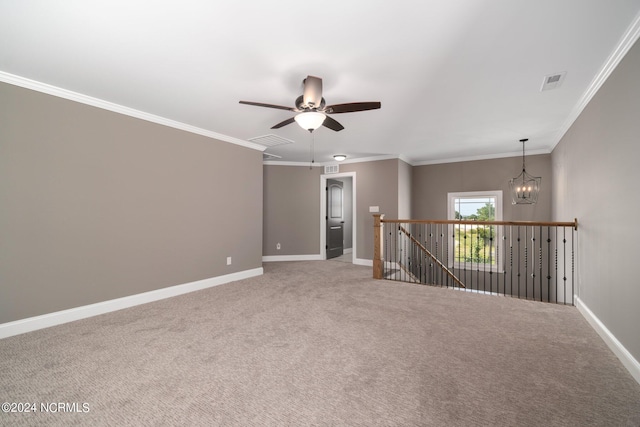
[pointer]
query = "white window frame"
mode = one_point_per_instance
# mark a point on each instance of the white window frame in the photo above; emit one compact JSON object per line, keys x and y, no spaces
{"x":451,"y":212}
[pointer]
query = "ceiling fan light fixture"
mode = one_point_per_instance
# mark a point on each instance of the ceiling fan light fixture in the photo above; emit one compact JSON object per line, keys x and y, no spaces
{"x":310,"y":120}
{"x":339,"y":157}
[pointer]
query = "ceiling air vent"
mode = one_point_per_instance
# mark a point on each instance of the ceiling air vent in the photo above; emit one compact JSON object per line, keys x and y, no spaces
{"x":553,"y":81}
{"x":270,"y":140}
{"x":331,"y":169}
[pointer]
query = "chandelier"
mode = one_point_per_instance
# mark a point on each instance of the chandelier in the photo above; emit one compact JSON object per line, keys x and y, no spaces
{"x":524,"y":188}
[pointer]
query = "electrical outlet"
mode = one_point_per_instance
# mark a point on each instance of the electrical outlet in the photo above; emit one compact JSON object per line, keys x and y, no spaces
{"x":228,"y":260}
{"x":278,"y":246}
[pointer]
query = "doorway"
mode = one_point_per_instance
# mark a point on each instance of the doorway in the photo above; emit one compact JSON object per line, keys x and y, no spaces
{"x":337,"y":225}
{"x":335,"y":218}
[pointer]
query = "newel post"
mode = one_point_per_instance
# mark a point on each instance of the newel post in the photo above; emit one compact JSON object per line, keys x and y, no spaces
{"x":378,"y":245}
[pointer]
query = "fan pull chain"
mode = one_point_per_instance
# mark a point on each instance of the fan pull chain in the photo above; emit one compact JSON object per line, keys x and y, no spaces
{"x":312,"y":151}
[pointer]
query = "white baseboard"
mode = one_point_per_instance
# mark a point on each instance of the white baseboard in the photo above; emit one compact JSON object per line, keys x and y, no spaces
{"x":365,"y":262}
{"x":59,"y":317}
{"x":348,"y":251}
{"x":616,"y":346}
{"x":278,"y":258}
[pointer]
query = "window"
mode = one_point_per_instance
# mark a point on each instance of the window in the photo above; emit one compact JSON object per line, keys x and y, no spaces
{"x":476,"y":247}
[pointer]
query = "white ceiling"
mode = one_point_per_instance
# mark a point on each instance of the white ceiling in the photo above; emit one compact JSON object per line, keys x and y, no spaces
{"x":457,"y":79}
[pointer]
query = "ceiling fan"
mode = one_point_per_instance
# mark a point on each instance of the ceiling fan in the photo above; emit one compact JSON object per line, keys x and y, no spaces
{"x":312,"y":109}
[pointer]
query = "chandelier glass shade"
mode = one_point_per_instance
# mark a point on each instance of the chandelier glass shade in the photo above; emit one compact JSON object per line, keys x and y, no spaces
{"x":525,"y":187}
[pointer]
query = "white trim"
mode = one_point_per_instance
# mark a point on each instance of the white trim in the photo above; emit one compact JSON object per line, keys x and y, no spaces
{"x":480,"y":157}
{"x":279,"y":258}
{"x":365,"y":262}
{"x":627,"y":359}
{"x":285,"y":163}
{"x":344,"y":162}
{"x":348,"y":251}
{"x":410,"y":162}
{"x":323,"y":211}
{"x":370,"y":159}
{"x":77,"y":313}
{"x":121,"y":109}
{"x":627,"y":41}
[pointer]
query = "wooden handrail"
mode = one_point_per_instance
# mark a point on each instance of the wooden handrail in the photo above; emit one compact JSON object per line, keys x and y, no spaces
{"x":573,"y":224}
{"x":436,"y":260}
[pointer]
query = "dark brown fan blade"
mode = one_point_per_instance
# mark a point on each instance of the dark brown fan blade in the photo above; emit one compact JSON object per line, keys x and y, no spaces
{"x":332,"y":124}
{"x":286,"y":122}
{"x":260,"y":104}
{"x":352,"y":107}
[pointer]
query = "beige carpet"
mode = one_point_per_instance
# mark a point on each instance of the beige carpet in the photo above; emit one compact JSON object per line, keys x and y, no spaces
{"x":321,"y":343}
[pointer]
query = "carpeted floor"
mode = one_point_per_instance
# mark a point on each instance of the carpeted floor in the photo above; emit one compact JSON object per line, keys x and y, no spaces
{"x":321,"y":343}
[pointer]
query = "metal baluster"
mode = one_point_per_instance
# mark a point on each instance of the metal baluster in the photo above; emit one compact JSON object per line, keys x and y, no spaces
{"x":511,"y":261}
{"x":573,"y":271}
{"x":402,"y":241}
{"x":433,"y":236}
{"x":403,"y":255}
{"x":462,"y":261}
{"x":484,"y":264}
{"x":564,"y":260}
{"x":549,"y":263}
{"x":532,"y":275}
{"x":394,"y":260}
{"x":385,"y":256}
{"x":556,"y":262}
{"x":453,"y":249}
{"x":493,"y":260}
{"x":526,"y":263}
{"x":533,"y":263}
{"x":442,"y":253}
{"x":423,"y":259}
{"x":519,"y":259}
{"x":471,"y":257}
{"x":445,"y":248}
{"x":540,"y":263}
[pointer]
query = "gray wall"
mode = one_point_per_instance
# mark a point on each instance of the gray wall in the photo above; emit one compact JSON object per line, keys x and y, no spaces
{"x":376,"y":185}
{"x":291,"y":210}
{"x":405,"y":185}
{"x":292,"y":197}
{"x":95,"y":205}
{"x":431,"y":183}
{"x":595,"y":167}
{"x":292,"y":205}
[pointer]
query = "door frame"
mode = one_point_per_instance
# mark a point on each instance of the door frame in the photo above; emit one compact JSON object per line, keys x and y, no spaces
{"x":323,"y":212}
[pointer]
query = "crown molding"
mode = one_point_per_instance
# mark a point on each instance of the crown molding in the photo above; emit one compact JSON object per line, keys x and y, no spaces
{"x":334,"y":162}
{"x":412,"y":163}
{"x":120,"y":109}
{"x":626,"y":42}
{"x":481,"y":157}
{"x":366,"y":159}
{"x":285,"y":163}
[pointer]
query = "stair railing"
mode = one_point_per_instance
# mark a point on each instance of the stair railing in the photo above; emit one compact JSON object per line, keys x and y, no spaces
{"x":523,"y":259}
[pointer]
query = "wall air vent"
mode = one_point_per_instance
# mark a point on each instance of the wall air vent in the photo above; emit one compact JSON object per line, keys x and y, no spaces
{"x":331,"y":169}
{"x":553,"y":81}
{"x":270,"y":140}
